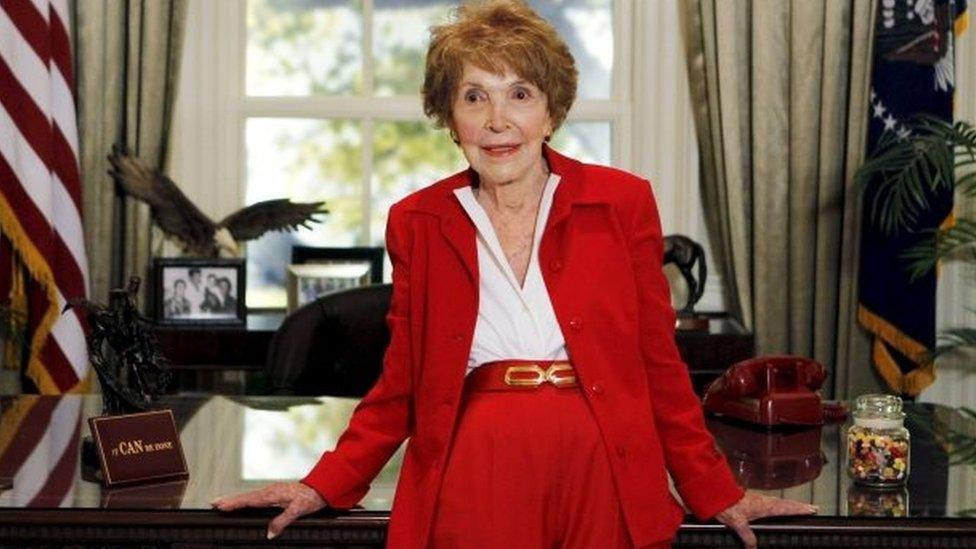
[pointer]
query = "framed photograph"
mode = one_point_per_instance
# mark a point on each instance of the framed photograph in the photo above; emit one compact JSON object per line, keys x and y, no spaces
{"x":301,"y":255}
{"x":310,"y":281}
{"x":199,"y":291}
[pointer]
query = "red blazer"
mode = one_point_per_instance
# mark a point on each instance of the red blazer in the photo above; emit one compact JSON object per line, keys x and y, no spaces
{"x":601,"y":258}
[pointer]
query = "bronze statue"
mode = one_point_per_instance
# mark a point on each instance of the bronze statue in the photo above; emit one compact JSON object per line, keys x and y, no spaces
{"x":685,"y":254}
{"x":200,"y":235}
{"x":124,"y":352}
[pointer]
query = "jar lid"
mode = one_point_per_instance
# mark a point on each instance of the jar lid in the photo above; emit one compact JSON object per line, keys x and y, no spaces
{"x":877,"y":410}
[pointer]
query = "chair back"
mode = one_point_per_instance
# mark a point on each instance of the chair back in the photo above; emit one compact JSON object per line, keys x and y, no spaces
{"x":332,"y":346}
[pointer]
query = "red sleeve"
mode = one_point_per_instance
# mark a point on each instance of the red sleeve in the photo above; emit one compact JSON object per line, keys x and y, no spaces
{"x":382,"y":420}
{"x":701,"y":474}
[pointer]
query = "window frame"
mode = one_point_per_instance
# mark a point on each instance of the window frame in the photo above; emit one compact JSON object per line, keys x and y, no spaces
{"x":368,"y":109}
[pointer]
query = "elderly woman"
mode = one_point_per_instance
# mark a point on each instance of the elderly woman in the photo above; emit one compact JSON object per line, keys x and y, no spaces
{"x":532,"y":363}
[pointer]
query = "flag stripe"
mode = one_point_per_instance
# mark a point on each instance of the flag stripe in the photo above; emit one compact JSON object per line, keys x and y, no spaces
{"x":27,"y":70}
{"x":63,"y":378}
{"x":34,"y":471}
{"x":67,"y":274}
{"x":14,"y":411}
{"x":30,"y":120}
{"x":61,"y":49}
{"x":74,"y":349}
{"x":63,"y":117}
{"x":34,"y":225}
{"x":61,"y":478}
{"x":67,"y":223}
{"x":31,"y":430}
{"x":30,"y":24}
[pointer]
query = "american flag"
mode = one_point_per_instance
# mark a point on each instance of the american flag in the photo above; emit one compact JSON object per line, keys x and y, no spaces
{"x":40,"y":187}
{"x":39,"y":448}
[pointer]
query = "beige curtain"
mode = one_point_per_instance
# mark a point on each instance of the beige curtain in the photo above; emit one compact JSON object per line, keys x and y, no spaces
{"x":127,"y":57}
{"x":780,"y":97}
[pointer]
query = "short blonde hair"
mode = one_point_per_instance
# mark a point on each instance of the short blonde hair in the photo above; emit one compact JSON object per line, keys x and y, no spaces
{"x":494,"y":35}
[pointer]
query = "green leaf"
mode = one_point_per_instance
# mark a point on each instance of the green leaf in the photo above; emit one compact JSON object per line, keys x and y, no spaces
{"x":908,"y":172}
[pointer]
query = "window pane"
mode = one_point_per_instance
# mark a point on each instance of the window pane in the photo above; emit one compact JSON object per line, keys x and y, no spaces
{"x":585,"y":141}
{"x":587,"y":27}
{"x":304,"y":47}
{"x":400,"y":37}
{"x":304,"y":160}
{"x":407,"y":157}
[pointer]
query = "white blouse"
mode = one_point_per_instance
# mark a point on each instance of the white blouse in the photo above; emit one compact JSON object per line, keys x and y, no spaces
{"x":513,"y":322}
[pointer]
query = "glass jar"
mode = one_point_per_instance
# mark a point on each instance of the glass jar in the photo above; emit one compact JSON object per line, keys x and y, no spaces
{"x":863,"y":501}
{"x":878,"y":442}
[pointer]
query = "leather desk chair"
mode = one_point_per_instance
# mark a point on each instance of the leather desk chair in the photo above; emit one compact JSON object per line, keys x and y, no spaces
{"x":333,"y":346}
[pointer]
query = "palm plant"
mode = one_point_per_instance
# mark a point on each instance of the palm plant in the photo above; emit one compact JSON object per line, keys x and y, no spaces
{"x":910,"y":169}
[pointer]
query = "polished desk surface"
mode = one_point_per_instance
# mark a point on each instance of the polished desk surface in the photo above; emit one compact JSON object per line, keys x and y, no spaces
{"x":234,"y":444}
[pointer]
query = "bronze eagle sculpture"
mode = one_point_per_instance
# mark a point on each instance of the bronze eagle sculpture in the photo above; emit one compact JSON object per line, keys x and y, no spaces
{"x":181,"y":219}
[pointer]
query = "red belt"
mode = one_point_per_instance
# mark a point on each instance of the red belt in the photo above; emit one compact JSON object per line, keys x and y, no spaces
{"x":514,"y":375}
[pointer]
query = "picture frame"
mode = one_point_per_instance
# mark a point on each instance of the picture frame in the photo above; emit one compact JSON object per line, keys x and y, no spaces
{"x":199,"y":291}
{"x":373,"y":254}
{"x":307,"y":282}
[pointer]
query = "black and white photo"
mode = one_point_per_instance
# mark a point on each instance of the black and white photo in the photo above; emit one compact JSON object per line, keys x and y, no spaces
{"x":199,"y":291}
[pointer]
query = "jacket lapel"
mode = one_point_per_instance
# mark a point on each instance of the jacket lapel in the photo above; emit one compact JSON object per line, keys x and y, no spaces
{"x":455,"y":227}
{"x":458,"y":229}
{"x":459,"y":232}
{"x":570,"y":187}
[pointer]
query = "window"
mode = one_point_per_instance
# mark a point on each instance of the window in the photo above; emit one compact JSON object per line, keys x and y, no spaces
{"x":331,"y":111}
{"x":319,"y":100}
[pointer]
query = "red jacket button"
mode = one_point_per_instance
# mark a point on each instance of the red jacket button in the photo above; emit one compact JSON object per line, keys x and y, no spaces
{"x":556,"y":264}
{"x":596,"y":389}
{"x":576,"y":323}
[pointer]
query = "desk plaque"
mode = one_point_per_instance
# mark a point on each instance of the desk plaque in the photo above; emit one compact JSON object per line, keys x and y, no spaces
{"x":141,"y":447}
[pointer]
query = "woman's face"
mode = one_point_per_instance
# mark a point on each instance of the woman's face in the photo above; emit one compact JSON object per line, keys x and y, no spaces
{"x":501,"y":122}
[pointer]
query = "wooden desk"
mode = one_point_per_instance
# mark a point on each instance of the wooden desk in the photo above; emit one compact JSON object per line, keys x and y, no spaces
{"x":236,"y":444}
{"x":192,"y":350}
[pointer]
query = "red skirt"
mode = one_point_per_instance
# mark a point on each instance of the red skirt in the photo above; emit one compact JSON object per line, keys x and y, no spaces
{"x":528,"y":469}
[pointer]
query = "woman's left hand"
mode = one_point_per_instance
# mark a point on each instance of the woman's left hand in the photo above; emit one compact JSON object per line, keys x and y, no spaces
{"x":754,"y":505}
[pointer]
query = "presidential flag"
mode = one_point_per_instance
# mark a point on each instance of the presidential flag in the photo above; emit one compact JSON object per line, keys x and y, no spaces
{"x":913,"y":74}
{"x":40,"y":191}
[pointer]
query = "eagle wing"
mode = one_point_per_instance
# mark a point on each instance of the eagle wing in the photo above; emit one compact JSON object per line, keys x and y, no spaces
{"x":172,"y":210}
{"x":271,"y":215}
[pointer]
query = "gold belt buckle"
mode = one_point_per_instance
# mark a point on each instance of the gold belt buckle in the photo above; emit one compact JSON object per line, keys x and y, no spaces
{"x":541,"y":376}
{"x":557,"y":380}
{"x":513,"y":381}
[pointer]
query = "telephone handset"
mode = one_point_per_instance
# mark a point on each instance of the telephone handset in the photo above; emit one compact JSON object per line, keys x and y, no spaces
{"x":769,"y":390}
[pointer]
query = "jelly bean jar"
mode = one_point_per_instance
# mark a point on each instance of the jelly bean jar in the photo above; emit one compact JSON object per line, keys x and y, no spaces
{"x":878,"y":442}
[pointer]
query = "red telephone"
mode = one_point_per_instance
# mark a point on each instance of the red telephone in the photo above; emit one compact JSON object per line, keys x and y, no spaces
{"x":769,"y":390}
{"x":769,"y":460}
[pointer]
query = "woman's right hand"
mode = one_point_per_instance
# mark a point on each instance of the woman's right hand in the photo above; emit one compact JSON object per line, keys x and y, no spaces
{"x":295,"y":498}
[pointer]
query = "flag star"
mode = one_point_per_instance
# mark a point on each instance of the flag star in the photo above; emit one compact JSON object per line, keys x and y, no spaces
{"x":873,"y":95}
{"x":879,"y":110}
{"x":904,"y":132}
{"x":890,"y":122}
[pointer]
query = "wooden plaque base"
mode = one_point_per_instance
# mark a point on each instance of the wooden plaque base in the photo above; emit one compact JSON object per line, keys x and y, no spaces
{"x":696,"y":323}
